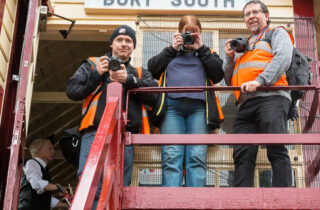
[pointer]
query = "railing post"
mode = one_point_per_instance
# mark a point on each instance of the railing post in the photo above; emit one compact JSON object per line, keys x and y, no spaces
{"x":115,"y":150}
{"x":313,"y":111}
{"x":104,"y":152}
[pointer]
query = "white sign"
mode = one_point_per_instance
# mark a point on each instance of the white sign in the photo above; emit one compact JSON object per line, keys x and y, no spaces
{"x":183,"y":5}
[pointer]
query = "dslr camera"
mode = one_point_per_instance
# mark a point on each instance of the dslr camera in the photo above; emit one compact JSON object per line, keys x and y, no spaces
{"x":114,"y":63}
{"x":187,"y":38}
{"x":240,"y":44}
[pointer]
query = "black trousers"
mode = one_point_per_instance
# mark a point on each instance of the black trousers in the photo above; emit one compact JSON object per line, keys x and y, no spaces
{"x":262,"y":115}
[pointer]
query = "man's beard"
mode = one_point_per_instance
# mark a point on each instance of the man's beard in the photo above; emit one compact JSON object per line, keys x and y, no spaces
{"x":255,"y":29}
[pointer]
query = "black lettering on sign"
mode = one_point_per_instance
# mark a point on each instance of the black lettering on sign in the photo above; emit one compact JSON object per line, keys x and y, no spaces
{"x":175,"y":3}
{"x":230,"y":1}
{"x":147,"y":3}
{"x":189,"y":4}
{"x":137,"y":2}
{"x":203,"y":4}
{"x":122,"y":3}
{"x":215,"y":3}
{"x":108,"y":2}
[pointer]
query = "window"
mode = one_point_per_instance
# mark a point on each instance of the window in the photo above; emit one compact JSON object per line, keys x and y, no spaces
{"x":225,"y":178}
{"x":210,"y":177}
{"x":150,"y":177}
{"x":265,"y":178}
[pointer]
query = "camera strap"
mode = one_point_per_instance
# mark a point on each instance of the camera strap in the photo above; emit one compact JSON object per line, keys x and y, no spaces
{"x":258,"y":38}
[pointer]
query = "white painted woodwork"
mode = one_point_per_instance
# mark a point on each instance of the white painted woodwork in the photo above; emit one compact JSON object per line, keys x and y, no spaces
{"x":5,"y":45}
{"x":3,"y":67}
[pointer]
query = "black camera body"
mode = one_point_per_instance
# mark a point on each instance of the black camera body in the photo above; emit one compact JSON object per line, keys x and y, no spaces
{"x":187,"y":38}
{"x":240,"y":44}
{"x":114,"y":63}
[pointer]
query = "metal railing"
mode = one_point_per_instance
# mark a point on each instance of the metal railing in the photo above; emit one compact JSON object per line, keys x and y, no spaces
{"x":106,"y":157}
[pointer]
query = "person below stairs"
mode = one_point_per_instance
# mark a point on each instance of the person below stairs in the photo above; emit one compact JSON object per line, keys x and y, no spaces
{"x":36,"y":188}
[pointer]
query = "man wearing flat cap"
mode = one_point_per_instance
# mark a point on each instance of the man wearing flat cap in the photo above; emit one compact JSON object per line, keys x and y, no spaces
{"x":90,"y":82}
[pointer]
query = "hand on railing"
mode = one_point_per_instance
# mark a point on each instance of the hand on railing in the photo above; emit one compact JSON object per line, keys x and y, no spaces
{"x":66,"y":197}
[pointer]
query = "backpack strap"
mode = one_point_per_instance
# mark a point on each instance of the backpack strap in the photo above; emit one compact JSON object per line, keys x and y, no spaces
{"x":269,"y":34}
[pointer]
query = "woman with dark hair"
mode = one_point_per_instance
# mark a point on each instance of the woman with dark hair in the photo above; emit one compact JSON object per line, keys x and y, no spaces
{"x":187,"y":62}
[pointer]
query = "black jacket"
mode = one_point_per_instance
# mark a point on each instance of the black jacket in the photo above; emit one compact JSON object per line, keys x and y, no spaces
{"x":213,"y":68}
{"x":29,"y":199}
{"x":85,"y":81}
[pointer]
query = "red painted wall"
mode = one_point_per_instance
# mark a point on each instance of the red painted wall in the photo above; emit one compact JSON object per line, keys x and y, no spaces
{"x":303,"y":8}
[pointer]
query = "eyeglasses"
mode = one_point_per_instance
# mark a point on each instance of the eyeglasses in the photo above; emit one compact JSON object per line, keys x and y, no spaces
{"x":254,"y":13}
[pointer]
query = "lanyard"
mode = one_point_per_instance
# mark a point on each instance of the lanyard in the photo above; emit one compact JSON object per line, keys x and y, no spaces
{"x":258,"y":37}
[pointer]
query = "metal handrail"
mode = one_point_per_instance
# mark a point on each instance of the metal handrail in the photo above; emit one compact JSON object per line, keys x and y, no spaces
{"x":311,"y":116}
{"x":105,"y":158}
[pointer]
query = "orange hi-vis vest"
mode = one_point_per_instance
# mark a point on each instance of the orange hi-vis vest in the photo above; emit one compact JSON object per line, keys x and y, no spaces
{"x":145,"y":127}
{"x":252,"y":63}
{"x":89,"y":107}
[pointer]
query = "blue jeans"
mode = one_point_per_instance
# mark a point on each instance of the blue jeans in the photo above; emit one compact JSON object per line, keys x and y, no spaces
{"x":184,"y":116}
{"x":128,"y":161}
{"x":86,"y":142}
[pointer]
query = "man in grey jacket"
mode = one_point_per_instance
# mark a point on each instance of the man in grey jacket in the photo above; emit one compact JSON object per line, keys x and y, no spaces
{"x":260,"y":111}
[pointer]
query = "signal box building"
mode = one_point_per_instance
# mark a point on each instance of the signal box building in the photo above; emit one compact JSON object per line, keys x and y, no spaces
{"x":42,"y":46}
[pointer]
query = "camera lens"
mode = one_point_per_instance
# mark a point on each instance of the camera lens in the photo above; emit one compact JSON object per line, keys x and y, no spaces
{"x":188,"y":39}
{"x":239,"y":44}
{"x":234,"y":44}
{"x":114,"y":64}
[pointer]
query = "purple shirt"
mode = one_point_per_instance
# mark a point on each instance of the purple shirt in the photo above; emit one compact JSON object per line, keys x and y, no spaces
{"x":186,"y":70}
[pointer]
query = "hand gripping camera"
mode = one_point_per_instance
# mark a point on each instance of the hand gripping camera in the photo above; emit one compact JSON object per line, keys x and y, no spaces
{"x":239,"y":44}
{"x":114,"y":63}
{"x":187,"y":38}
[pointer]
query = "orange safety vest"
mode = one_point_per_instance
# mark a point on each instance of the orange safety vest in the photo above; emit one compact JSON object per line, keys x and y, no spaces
{"x":89,"y":107}
{"x":217,"y":100}
{"x":218,"y":106}
{"x":91,"y":103}
{"x":252,"y":63}
{"x":145,"y":127}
